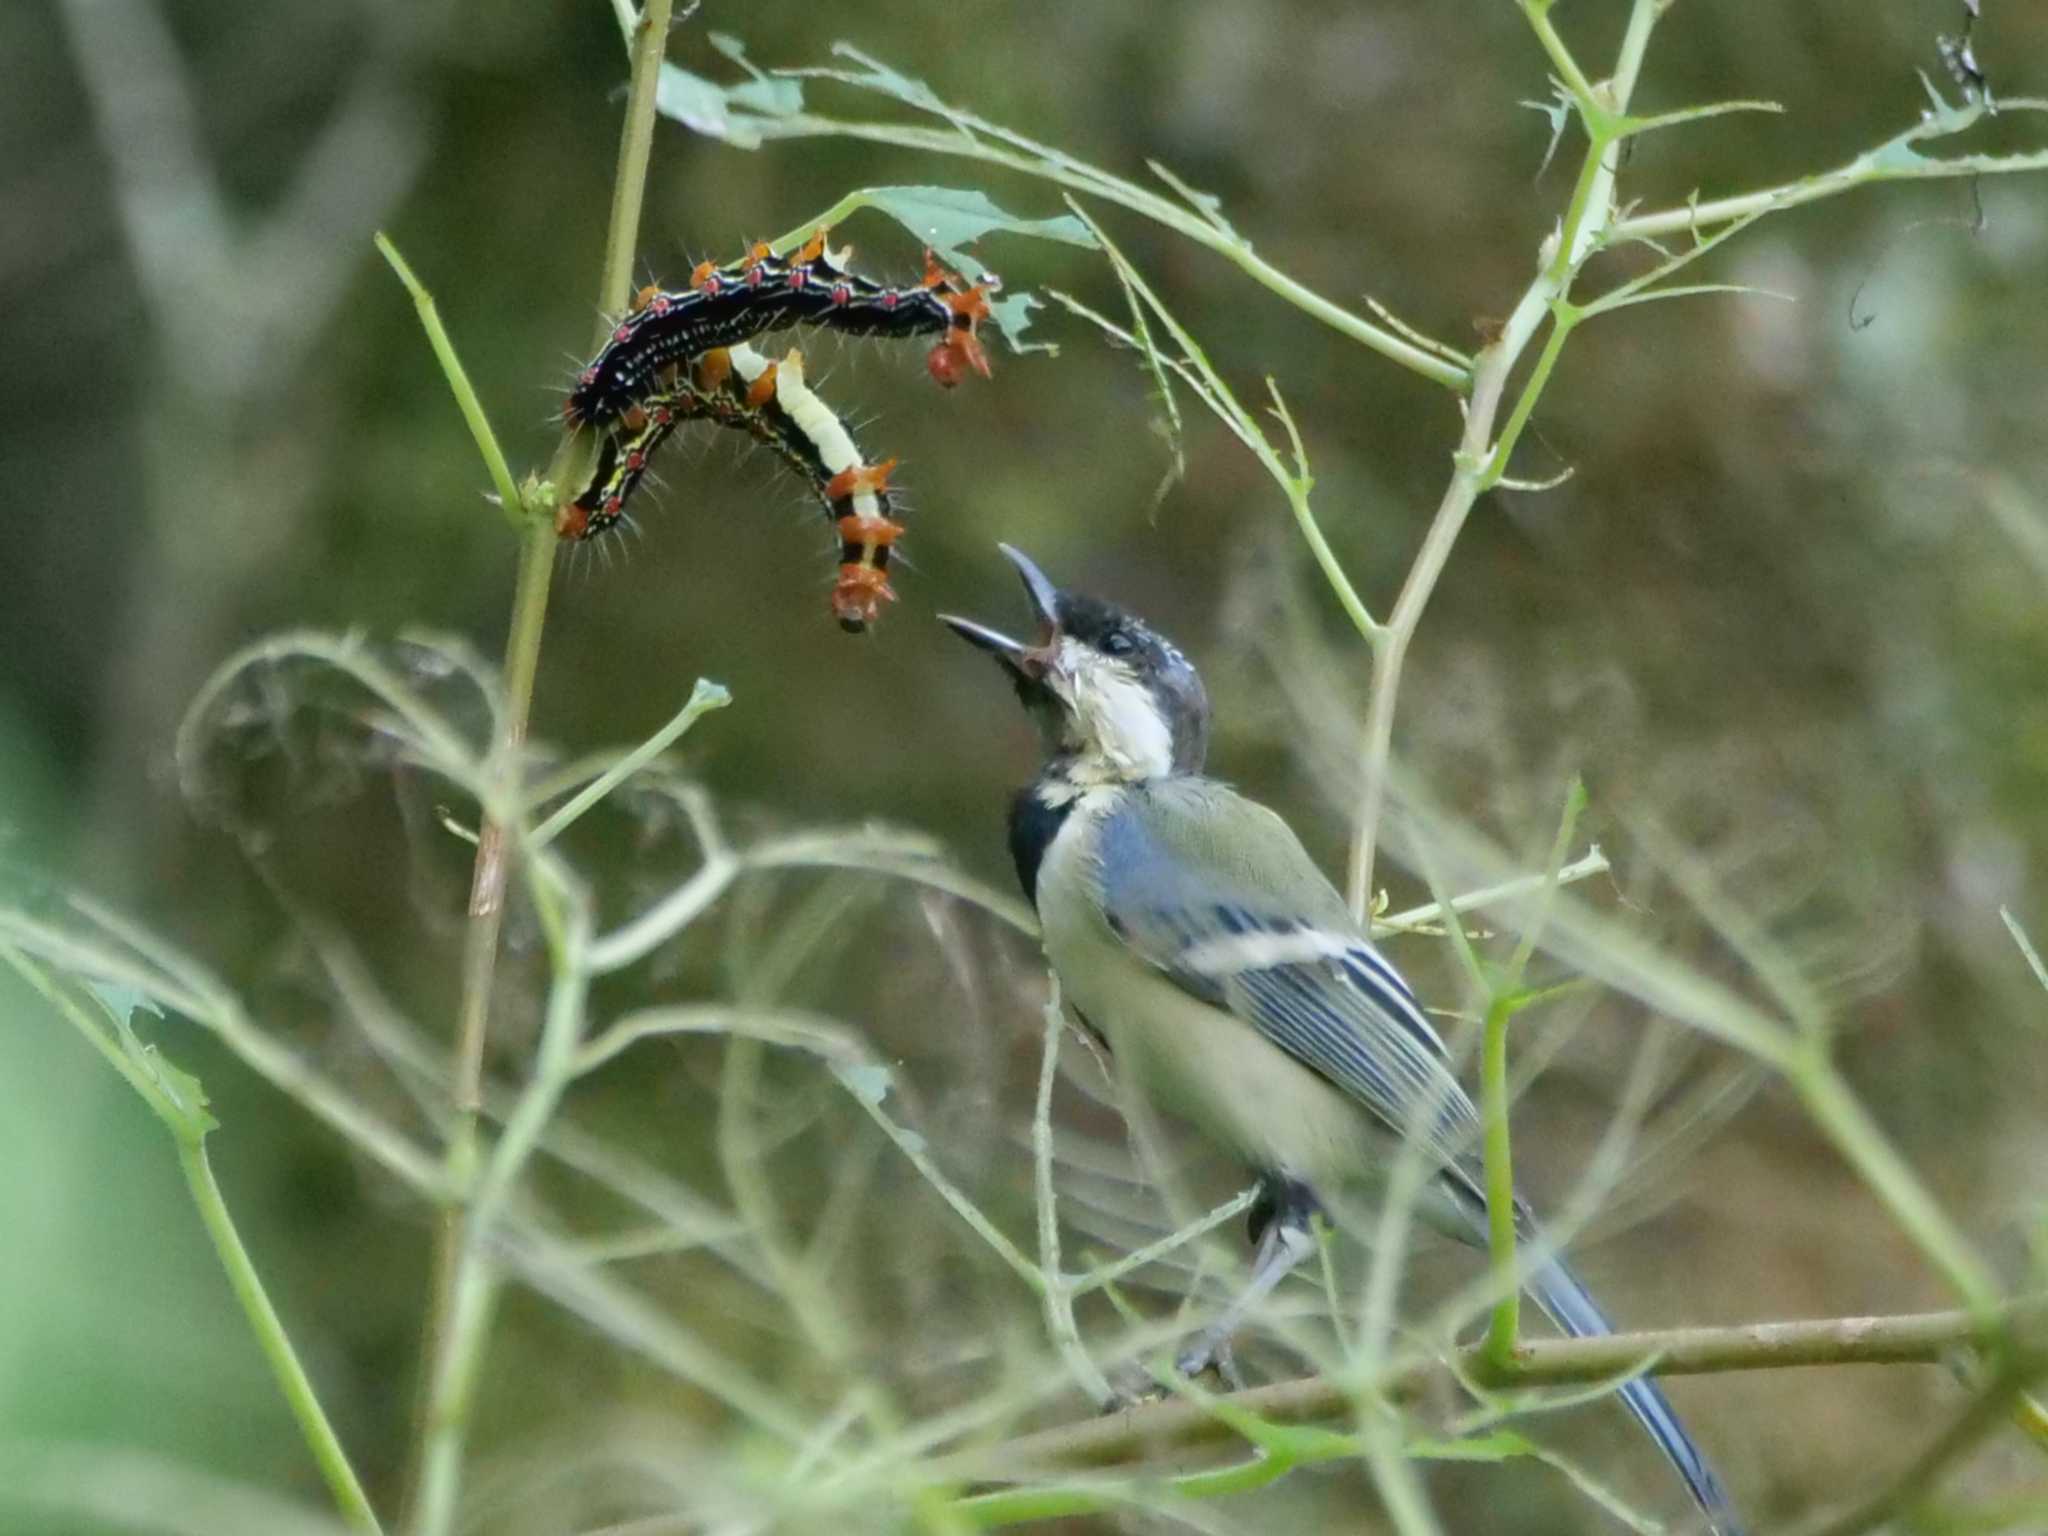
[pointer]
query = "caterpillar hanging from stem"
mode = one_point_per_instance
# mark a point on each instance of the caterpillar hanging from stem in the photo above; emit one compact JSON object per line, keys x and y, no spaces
{"x":681,"y":357}
{"x":762,"y":293}
{"x":771,"y":401}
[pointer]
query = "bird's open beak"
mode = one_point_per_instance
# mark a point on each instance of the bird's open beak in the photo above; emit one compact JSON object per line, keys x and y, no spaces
{"x":1026,"y":663}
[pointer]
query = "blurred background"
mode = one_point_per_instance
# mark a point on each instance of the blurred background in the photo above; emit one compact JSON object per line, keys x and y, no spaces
{"x":1789,"y":608}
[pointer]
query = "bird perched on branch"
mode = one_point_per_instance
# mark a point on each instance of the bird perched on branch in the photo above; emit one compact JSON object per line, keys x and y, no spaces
{"x":1191,"y":932}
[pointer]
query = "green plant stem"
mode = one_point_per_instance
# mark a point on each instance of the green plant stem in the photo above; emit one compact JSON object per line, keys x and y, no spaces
{"x":454,"y":1371}
{"x":1057,"y":1293}
{"x":466,"y":399}
{"x":1890,"y":161}
{"x":1506,"y":1320}
{"x":460,"y":1302}
{"x":1157,"y":1429}
{"x":705,"y":696}
{"x":488,"y":881}
{"x":271,"y":1338}
{"x":1480,"y":461}
{"x":1050,"y":166}
{"x":183,"y":1113}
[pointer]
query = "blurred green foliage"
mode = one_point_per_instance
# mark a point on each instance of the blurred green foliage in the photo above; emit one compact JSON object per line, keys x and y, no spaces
{"x":1791,"y":605}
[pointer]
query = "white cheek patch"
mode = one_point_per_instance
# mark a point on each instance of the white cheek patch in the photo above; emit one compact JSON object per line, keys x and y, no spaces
{"x":1115,"y":714}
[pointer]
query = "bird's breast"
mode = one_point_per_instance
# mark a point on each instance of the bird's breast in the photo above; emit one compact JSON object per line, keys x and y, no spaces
{"x":1197,"y":1062}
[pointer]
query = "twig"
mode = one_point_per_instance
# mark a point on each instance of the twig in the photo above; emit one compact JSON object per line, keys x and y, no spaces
{"x":1905,"y":1339}
{"x":459,"y":1304}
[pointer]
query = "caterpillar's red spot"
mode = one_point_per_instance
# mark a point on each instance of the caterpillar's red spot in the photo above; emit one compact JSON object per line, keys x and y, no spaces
{"x":891,"y":300}
{"x":571,"y":521}
{"x":841,"y":294}
{"x":623,"y":333}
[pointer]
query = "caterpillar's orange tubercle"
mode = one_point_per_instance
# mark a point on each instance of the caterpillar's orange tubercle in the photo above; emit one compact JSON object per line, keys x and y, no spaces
{"x":762,"y":292}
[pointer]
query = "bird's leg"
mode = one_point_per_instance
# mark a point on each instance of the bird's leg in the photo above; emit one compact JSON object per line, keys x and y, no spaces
{"x":1288,"y":1238}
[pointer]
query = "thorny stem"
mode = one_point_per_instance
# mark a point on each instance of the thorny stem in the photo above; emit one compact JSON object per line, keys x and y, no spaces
{"x":453,"y":1292}
{"x":1480,"y":461}
{"x":1893,"y":160}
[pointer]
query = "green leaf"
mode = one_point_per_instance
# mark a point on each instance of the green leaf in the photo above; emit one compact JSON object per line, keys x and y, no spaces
{"x":948,"y":218}
{"x":122,"y":1001}
{"x":880,"y":77}
{"x":180,"y":1098}
{"x":725,"y":112}
{"x":1012,"y":316}
{"x":868,"y":1082}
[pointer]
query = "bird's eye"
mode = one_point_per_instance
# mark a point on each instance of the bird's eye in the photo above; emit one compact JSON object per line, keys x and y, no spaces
{"x":1118,"y":643}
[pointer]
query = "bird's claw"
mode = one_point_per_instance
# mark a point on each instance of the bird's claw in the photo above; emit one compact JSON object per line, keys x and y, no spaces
{"x":1133,"y":1387}
{"x":1208,"y":1353}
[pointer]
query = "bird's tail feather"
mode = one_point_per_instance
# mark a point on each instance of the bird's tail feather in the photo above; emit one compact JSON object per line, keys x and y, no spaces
{"x":1567,"y":1304}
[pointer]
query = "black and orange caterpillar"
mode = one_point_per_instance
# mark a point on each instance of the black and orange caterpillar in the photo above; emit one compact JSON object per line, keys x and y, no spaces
{"x":681,"y":357}
{"x":762,"y":293}
{"x":739,"y":388}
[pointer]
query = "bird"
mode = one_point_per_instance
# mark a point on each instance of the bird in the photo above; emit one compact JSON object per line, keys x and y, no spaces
{"x":1194,"y":938}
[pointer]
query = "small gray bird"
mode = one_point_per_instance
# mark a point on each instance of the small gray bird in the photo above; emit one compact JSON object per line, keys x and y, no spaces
{"x":1192,"y":934}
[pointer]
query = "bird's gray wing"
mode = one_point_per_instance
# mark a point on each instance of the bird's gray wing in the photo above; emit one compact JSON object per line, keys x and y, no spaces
{"x":1217,"y":893}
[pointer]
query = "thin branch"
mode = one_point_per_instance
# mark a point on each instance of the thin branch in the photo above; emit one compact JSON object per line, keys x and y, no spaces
{"x":1482,"y":459}
{"x":1893,"y":160}
{"x":1907,"y":1339}
{"x":1429,"y":362}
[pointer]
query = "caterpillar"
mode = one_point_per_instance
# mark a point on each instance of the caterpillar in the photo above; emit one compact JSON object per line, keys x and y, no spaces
{"x":762,"y":292}
{"x":738,"y":387}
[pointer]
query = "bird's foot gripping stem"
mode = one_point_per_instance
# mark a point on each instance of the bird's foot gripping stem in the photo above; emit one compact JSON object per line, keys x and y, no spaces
{"x":1283,"y":1223}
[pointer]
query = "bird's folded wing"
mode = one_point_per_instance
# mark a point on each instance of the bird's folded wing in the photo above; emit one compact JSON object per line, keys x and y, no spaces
{"x":1217,"y":893}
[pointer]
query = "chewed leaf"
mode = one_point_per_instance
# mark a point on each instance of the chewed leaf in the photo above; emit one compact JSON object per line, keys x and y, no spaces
{"x":880,"y":77}
{"x":869,"y":1081}
{"x":1012,"y":316}
{"x":948,"y":218}
{"x":182,"y":1097}
{"x":123,"y":1001}
{"x":725,"y":112}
